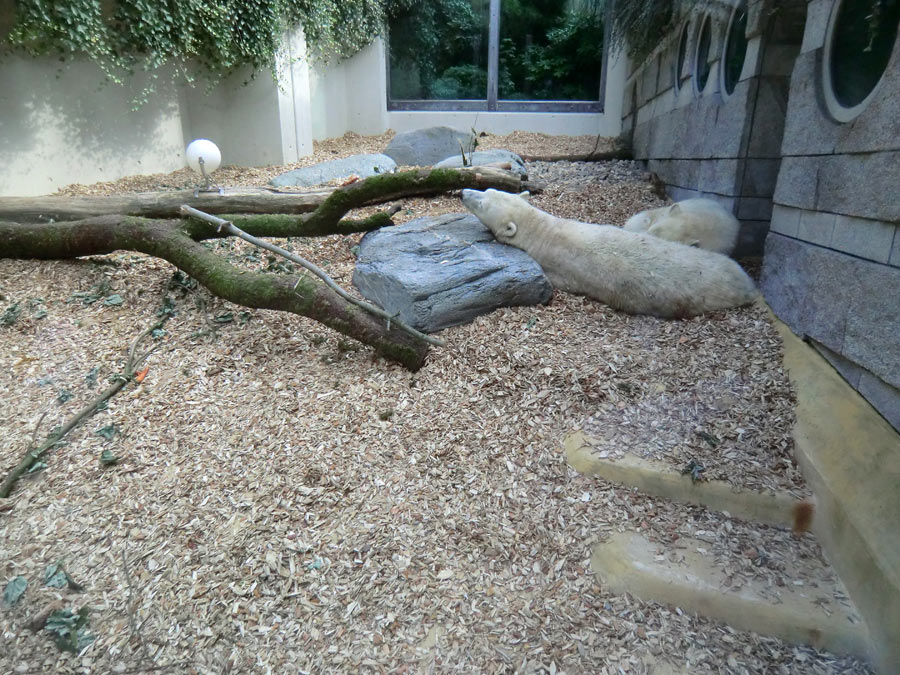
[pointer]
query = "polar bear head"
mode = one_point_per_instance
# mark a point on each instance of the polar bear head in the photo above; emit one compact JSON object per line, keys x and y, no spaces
{"x":498,"y":210}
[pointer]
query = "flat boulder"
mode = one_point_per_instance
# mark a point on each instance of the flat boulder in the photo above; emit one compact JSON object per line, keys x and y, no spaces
{"x":483,"y":157}
{"x":442,"y":271}
{"x":425,"y":147}
{"x":325,"y":172}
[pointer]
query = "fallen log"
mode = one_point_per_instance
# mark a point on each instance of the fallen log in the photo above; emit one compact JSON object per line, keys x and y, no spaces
{"x":384,"y":188}
{"x":178,"y":241}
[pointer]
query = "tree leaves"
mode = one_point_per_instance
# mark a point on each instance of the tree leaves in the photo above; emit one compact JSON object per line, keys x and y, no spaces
{"x":70,"y":629}
{"x":14,"y":590}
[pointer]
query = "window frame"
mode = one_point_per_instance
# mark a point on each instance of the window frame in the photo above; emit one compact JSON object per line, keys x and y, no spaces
{"x":684,"y":38}
{"x":723,"y":77}
{"x":492,"y":103}
{"x":837,"y":110}
{"x":695,"y":66}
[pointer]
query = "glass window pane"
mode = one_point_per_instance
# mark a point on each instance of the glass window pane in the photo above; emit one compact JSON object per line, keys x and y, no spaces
{"x":438,"y":49}
{"x":735,"y":49}
{"x":550,"y":50}
{"x":701,"y":66}
{"x":864,"y":37}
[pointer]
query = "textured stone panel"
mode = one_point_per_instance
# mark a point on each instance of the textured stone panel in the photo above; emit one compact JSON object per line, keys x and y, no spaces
{"x":878,"y":126}
{"x":751,"y":238}
{"x":778,"y":60}
{"x":869,"y":239}
{"x":640,"y":142}
{"x":728,"y":134}
{"x":816,"y":227}
{"x":768,"y":117}
{"x":720,"y":176}
{"x":757,"y":18}
{"x":895,"y":249}
{"x":647,"y":80}
{"x":865,"y":186}
{"x":805,"y":292}
{"x":667,"y":68}
{"x":797,"y":182}
{"x":872,"y":336}
{"x":817,"y":14}
{"x":759,"y":177}
{"x":848,"y":370}
{"x":680,"y":194}
{"x":848,"y":304}
{"x":883,"y":397}
{"x":680,"y":172}
{"x":808,"y":130}
{"x":754,"y":208}
{"x":785,"y":220}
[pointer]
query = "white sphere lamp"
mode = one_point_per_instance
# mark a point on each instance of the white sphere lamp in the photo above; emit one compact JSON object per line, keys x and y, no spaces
{"x":204,"y":157}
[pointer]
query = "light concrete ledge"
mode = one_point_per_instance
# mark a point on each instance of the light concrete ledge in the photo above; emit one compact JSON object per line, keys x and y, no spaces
{"x":850,"y":456}
{"x":661,"y":480}
{"x":808,"y":614}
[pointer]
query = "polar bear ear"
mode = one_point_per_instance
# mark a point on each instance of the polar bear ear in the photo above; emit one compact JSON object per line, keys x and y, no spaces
{"x":510,"y":230}
{"x":674,"y":209}
{"x":525,"y":195}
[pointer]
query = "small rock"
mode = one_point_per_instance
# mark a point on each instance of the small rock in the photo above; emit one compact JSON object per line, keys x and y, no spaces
{"x":362,"y":166}
{"x":482,"y":157}
{"x":424,"y":147}
{"x":444,"y":271}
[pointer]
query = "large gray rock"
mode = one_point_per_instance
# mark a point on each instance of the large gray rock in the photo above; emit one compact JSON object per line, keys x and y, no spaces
{"x":317,"y":174}
{"x":482,"y":157}
{"x":444,"y":271}
{"x":426,"y":147}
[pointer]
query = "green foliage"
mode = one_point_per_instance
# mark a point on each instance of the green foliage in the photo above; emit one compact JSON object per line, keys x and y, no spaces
{"x":10,"y":315}
{"x":563,"y":63}
{"x":107,"y":458}
{"x":108,"y":432}
{"x":212,"y":37}
{"x":69,"y":629}
{"x":14,"y":590}
{"x":642,"y":24}
{"x":548,"y":49}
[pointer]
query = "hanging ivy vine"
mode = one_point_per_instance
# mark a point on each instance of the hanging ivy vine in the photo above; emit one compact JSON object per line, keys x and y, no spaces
{"x":210,"y":37}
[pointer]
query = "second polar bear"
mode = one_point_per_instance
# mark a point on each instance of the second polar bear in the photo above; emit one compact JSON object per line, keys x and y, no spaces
{"x":630,"y":271}
{"x":696,"y":222}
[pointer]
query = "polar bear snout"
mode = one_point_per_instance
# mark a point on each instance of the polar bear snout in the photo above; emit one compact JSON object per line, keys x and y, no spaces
{"x":471,"y":198}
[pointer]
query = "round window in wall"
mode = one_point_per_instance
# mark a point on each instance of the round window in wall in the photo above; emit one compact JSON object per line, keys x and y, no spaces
{"x":861,"y":37}
{"x":701,"y":59}
{"x":682,"y":55}
{"x":735,"y":49}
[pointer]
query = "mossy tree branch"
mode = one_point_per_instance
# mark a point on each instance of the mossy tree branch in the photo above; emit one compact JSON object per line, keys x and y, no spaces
{"x":178,"y":241}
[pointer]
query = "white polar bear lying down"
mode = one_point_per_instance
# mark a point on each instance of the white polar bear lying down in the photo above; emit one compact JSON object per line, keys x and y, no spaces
{"x":630,"y":271}
{"x":695,"y":222}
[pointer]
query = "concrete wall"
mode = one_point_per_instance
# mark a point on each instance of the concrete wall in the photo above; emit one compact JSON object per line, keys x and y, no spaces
{"x":59,"y":124}
{"x":256,"y":120}
{"x":832,"y":262}
{"x":708,"y":143}
{"x":350,"y":95}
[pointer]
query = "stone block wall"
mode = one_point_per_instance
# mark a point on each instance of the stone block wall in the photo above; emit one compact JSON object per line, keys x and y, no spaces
{"x":831,"y":269}
{"x":712,"y":144}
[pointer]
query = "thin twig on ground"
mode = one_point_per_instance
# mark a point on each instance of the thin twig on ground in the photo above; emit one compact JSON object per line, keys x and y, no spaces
{"x":229,"y":227}
{"x":32,"y":456}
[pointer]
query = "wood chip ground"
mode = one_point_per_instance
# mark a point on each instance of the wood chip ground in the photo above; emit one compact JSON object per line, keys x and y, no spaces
{"x":287,"y":503}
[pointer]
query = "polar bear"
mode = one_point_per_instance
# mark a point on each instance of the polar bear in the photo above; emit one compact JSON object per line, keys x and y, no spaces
{"x":695,"y":222}
{"x":630,"y":271}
